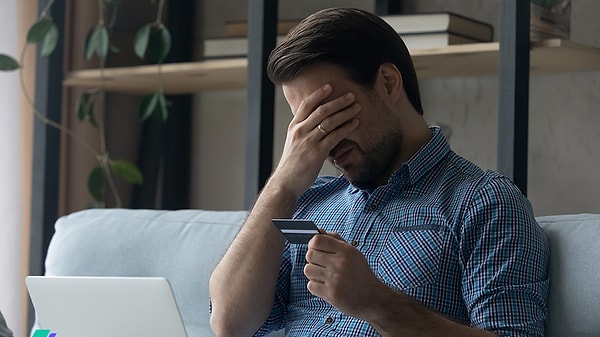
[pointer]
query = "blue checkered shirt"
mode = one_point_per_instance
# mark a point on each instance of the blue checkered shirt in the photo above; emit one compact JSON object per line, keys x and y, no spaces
{"x":462,"y":241}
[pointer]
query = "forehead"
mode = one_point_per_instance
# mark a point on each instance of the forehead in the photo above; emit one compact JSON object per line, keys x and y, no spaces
{"x":314,"y":77}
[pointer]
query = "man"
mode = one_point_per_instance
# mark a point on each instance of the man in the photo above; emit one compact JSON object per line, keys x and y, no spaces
{"x":419,"y":242}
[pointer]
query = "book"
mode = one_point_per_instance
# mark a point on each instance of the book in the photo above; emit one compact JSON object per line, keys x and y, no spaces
{"x":441,"y":22}
{"x":434,"y":40}
{"x":230,"y":47}
{"x":436,"y":22}
{"x":550,"y":19}
{"x":240,"y":28}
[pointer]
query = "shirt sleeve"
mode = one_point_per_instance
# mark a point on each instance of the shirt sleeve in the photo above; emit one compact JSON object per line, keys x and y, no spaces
{"x":276,"y":320}
{"x":505,"y":255}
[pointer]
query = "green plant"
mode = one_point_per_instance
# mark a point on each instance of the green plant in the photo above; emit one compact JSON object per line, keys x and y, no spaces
{"x":152,"y":42}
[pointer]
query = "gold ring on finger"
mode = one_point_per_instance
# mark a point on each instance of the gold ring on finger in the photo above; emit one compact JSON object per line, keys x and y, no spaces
{"x":322,"y":129}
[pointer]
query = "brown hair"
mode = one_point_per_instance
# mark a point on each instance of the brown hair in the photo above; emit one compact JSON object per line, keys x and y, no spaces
{"x":354,"y":39}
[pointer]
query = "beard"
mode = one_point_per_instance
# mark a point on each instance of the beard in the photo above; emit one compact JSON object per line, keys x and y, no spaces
{"x":378,"y":162}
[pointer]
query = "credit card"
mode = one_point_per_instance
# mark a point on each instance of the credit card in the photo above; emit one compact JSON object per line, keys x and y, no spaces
{"x":296,"y":231}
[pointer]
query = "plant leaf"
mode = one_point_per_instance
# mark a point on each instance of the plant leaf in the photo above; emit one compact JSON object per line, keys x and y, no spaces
{"x":159,"y":45}
{"x":81,"y":106}
{"x":128,"y":171}
{"x":162,"y":107}
{"x":103,"y":42}
{"x":142,"y":37}
{"x":38,"y":31}
{"x":86,"y":46}
{"x":8,"y":63}
{"x":114,"y":49}
{"x":96,"y":204}
{"x":85,"y":108}
{"x":50,"y":41}
{"x":98,"y":43}
{"x":147,"y":106}
{"x":96,"y":183}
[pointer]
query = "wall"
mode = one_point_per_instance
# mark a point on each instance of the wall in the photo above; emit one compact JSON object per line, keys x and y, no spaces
{"x":563,"y":151}
{"x":15,"y":153}
{"x":217,"y":180}
{"x":11,"y":231}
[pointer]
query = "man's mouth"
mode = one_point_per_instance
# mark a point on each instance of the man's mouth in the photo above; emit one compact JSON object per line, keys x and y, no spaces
{"x":339,"y":155}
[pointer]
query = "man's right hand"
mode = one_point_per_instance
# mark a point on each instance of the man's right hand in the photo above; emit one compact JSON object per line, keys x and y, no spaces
{"x":307,"y":145}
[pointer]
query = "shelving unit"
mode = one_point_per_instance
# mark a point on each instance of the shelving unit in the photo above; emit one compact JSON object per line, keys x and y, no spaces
{"x":477,"y":59}
{"x":548,"y":56}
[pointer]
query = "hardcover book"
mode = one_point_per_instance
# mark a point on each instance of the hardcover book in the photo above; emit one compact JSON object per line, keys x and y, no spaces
{"x":230,"y":47}
{"x":440,"y":22}
{"x":240,"y":28}
{"x":403,"y":24}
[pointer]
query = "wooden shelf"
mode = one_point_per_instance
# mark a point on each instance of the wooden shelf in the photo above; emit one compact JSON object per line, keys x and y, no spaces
{"x":478,"y":59}
{"x":178,"y":78}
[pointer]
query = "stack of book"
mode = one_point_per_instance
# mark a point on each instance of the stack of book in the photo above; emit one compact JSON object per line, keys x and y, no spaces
{"x":436,"y":30}
{"x":550,"y":19}
{"x":419,"y":31}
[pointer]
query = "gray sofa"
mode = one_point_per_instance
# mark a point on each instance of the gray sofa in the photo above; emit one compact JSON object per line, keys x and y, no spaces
{"x":184,"y":246}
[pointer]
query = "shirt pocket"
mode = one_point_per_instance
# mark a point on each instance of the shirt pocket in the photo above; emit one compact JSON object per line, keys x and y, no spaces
{"x":411,"y":256}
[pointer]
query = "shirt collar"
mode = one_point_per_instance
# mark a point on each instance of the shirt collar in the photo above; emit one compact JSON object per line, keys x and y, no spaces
{"x":426,"y":157}
{"x":421,"y":162}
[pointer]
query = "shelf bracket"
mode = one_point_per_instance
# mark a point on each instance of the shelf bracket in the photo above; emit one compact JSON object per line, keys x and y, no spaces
{"x":262,"y":31}
{"x":513,"y":109}
{"x":388,"y":7}
{"x":46,"y":149}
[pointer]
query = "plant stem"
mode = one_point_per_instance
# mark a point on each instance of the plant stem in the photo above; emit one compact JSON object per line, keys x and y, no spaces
{"x":105,"y":163}
{"x":100,"y":12}
{"x":44,"y":11}
{"x":159,"y":12}
{"x":105,"y":159}
{"x":161,"y":81}
{"x":45,"y":119}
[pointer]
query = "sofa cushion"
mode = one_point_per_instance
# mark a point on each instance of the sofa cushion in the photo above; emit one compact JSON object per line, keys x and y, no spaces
{"x":574,"y":303}
{"x":182,"y":246}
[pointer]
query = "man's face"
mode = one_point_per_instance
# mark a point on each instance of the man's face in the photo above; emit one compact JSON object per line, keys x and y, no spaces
{"x":368,"y":156}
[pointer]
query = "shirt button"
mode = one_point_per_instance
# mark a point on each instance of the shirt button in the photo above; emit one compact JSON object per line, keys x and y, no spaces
{"x":373,"y":207}
{"x":354,"y":243}
{"x":329,"y":320}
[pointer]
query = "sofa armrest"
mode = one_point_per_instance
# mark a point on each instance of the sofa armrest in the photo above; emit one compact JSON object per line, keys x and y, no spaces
{"x":182,"y":246}
{"x":574,"y":302}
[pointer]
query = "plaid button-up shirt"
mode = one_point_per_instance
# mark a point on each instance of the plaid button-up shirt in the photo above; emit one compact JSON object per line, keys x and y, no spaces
{"x":462,"y":241}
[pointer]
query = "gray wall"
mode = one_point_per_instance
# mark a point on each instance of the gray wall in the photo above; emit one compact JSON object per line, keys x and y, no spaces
{"x":564,"y":115}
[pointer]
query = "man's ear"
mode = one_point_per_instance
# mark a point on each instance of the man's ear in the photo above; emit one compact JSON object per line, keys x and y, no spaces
{"x":391,"y":80}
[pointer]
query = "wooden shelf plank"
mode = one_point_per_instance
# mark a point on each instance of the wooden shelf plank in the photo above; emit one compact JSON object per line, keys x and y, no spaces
{"x":475,"y":59}
{"x":552,"y":56}
{"x":481,"y":59}
{"x":178,"y":78}
{"x":478,"y":59}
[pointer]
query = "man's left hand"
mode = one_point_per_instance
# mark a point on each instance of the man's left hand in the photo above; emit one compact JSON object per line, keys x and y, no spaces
{"x":340,"y":274}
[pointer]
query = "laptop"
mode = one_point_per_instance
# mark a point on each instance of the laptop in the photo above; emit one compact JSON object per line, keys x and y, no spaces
{"x":75,"y":306}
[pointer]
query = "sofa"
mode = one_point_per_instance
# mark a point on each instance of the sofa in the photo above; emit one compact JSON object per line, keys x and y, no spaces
{"x":184,"y":246}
